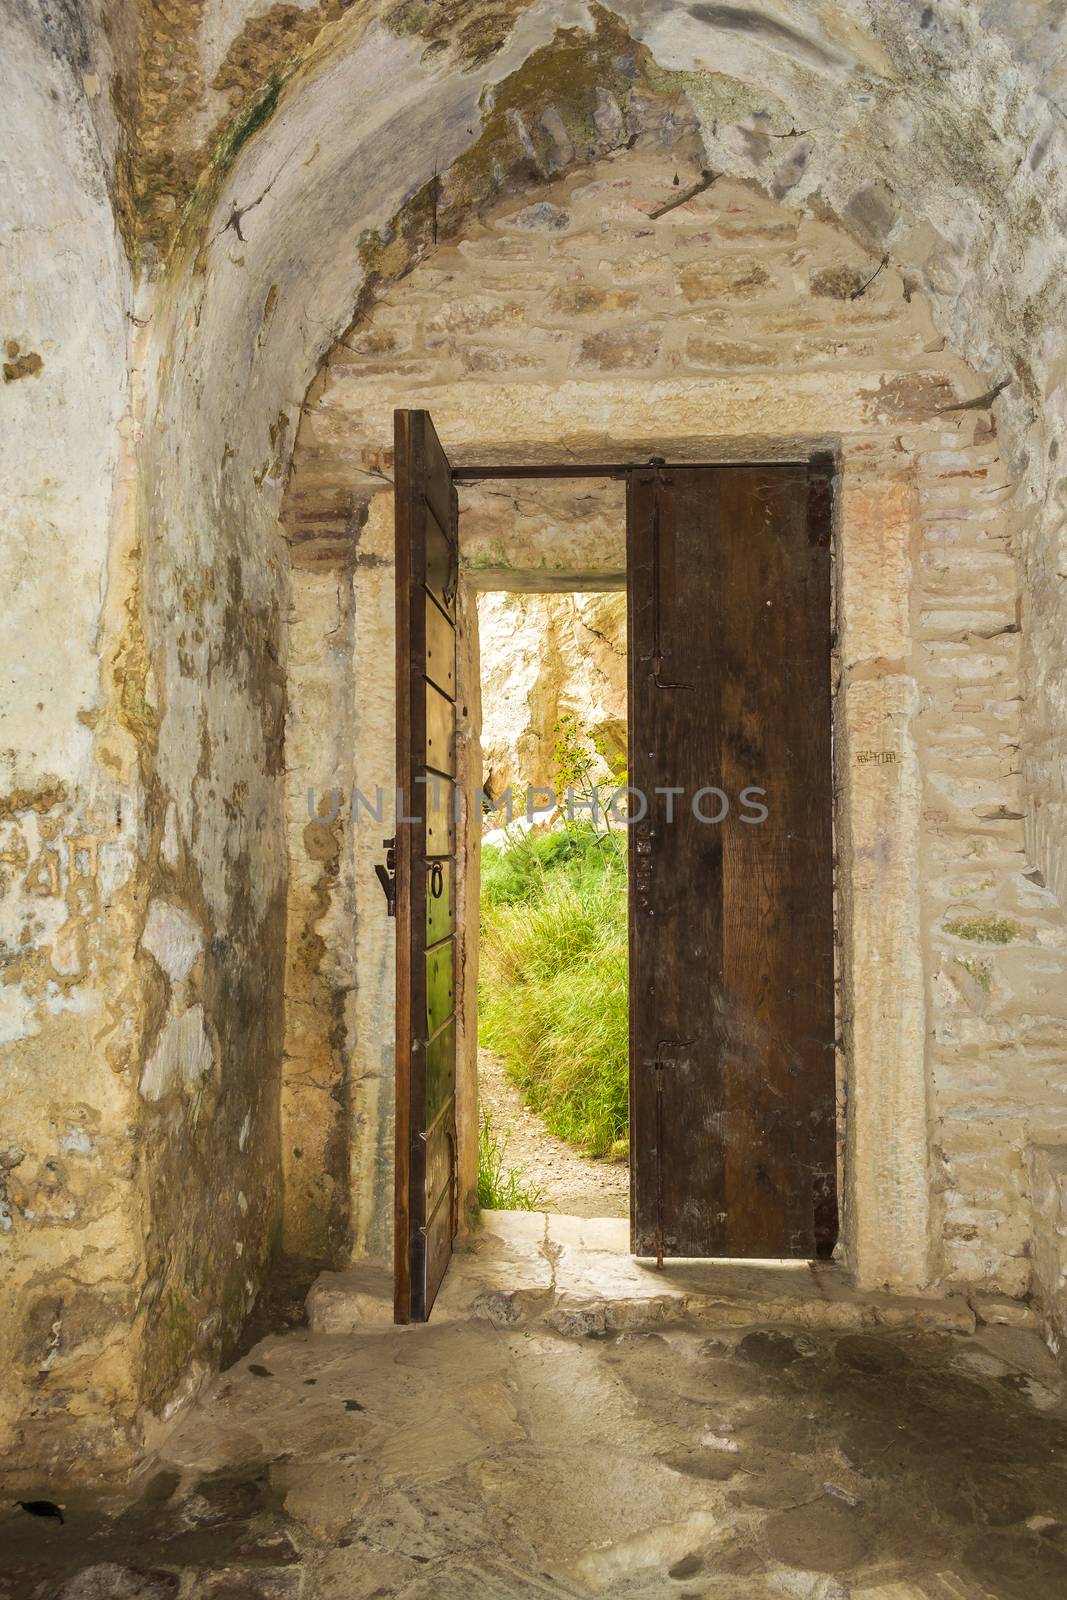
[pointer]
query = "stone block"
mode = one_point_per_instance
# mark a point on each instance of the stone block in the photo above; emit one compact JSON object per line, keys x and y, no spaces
{"x":481,"y":358}
{"x":998,"y":1310}
{"x":618,"y":348}
{"x":474,"y":315}
{"x":1047,"y":1166}
{"x":910,"y":396}
{"x":375,"y":341}
{"x":963,"y":570}
{"x":982,"y":795}
{"x":836,"y":282}
{"x":352,"y":1301}
{"x":742,"y":229}
{"x":587,"y":299}
{"x":489,"y":254}
{"x":884,"y":992}
{"x":576,"y":1276}
{"x":541,"y":217}
{"x":961,"y":663}
{"x":703,"y":351}
{"x":878,"y":520}
{"x":998,"y":616}
{"x":736,"y":279}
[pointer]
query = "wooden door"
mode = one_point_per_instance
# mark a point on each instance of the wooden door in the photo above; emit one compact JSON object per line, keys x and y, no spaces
{"x":426,"y":580}
{"x":732,"y":1061}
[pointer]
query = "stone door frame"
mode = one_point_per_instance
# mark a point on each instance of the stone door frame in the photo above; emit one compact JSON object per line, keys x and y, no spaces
{"x":883,"y":1122}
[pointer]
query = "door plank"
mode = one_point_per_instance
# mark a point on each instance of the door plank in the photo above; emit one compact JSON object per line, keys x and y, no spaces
{"x":731,"y":949}
{"x":426,"y":572}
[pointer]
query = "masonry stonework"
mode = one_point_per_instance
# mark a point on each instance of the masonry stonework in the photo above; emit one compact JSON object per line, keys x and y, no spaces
{"x":509,"y":338}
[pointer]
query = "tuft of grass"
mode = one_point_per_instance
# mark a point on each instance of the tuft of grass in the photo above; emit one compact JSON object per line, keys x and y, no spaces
{"x":553,"y":993}
{"x":500,"y":1187}
{"x":984,"y":930}
{"x":980,"y":971}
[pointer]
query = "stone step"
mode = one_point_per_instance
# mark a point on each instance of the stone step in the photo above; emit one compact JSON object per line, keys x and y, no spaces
{"x":353,"y":1301}
{"x":576,"y":1275}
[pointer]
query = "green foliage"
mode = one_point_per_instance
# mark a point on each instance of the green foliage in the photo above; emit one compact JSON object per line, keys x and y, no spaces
{"x":515,"y":873}
{"x":980,"y":971}
{"x":502,"y":1188}
{"x":578,"y":753}
{"x":572,"y":754}
{"x":553,"y":992}
{"x":983,"y":930}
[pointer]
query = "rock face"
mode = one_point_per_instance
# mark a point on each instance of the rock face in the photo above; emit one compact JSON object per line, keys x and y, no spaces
{"x":544,"y":655}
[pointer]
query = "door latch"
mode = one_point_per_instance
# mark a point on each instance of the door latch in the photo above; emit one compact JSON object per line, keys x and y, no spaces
{"x":386,"y":875}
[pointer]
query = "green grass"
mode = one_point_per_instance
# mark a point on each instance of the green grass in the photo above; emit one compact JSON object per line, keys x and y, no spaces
{"x":553,"y":992}
{"x":500,"y":1187}
{"x":517,"y":873}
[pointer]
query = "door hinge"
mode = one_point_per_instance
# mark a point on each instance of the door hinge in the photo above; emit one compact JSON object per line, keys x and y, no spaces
{"x":386,"y":875}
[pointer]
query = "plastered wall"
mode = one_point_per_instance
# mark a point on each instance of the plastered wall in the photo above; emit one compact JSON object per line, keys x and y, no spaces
{"x":70,"y":1185}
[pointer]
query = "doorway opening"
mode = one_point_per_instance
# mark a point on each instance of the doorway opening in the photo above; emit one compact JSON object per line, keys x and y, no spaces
{"x":732,"y":1027}
{"x":553,"y":1056}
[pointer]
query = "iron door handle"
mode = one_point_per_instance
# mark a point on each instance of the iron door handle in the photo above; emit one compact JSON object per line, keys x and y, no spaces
{"x":386,"y":875}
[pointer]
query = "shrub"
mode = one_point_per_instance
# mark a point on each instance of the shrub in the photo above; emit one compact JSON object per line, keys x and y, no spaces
{"x":515,"y":872}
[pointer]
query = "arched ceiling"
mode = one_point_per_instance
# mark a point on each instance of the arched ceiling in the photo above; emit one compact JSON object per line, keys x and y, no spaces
{"x":915,"y":127}
{"x":919,"y":131}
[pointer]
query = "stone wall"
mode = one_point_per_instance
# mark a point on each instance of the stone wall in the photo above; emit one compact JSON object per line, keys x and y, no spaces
{"x":997,"y":935}
{"x":318,"y":987}
{"x":215,"y":607}
{"x":599,"y":309}
{"x":1048,"y":1189}
{"x":925,"y":194}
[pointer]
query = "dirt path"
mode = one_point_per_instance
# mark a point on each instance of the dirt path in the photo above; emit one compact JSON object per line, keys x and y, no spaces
{"x":574,"y":1185}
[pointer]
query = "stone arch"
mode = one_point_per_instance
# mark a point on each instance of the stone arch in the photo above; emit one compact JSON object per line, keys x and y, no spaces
{"x":634,"y":306}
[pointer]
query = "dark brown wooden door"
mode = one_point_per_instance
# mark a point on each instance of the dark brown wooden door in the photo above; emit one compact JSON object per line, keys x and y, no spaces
{"x":426,"y":579}
{"x":732,"y":1065}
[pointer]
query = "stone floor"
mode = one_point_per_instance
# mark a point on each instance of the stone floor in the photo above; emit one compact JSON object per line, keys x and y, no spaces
{"x":504,"y":1452}
{"x":575,"y":1275}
